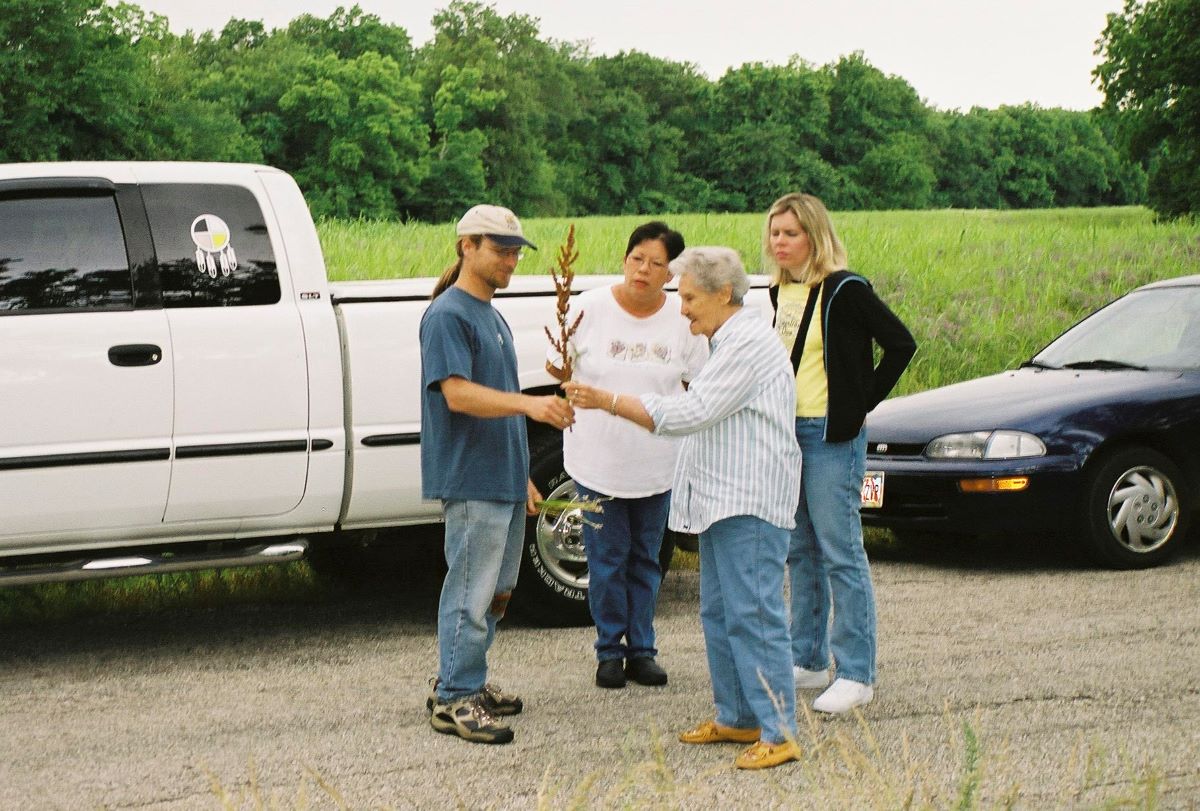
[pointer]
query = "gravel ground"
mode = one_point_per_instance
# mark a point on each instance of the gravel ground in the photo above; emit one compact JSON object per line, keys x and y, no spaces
{"x":1075,"y":686}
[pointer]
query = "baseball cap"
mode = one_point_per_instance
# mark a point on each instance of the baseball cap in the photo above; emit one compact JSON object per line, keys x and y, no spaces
{"x":496,"y":223}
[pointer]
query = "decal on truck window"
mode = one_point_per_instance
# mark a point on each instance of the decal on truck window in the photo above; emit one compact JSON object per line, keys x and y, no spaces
{"x":213,"y":248}
{"x":190,"y":240}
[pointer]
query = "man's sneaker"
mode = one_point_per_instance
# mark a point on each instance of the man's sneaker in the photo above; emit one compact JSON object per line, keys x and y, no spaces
{"x":844,"y":695}
{"x":809,"y":679}
{"x":644,"y":670}
{"x":466,"y":718}
{"x":494,"y":700}
{"x":498,"y":702}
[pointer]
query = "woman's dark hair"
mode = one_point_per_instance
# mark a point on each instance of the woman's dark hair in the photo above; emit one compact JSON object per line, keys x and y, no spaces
{"x":450,"y":274}
{"x":671,"y":240}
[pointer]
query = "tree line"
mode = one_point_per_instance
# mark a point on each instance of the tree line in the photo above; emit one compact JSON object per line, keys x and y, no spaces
{"x":488,"y":109}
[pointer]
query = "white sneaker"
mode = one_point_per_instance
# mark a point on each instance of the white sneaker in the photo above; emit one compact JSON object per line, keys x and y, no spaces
{"x":809,"y":679}
{"x":843,"y":696}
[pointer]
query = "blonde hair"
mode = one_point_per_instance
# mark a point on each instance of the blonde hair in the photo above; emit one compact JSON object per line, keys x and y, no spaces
{"x":450,"y":274}
{"x":826,"y":252}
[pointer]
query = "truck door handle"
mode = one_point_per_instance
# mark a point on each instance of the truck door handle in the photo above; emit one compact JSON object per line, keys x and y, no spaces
{"x":134,"y":355}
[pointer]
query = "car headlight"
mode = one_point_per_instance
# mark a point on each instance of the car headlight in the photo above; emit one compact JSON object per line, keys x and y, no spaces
{"x":986,"y":445}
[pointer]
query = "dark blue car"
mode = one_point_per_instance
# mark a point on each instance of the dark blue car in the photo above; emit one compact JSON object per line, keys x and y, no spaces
{"x":1096,"y":438}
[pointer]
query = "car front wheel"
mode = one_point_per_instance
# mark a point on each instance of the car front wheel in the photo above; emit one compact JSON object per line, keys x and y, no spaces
{"x":1137,"y":509}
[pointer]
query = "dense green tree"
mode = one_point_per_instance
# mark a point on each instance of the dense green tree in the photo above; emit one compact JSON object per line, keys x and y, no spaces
{"x":866,"y":106}
{"x":1151,"y":74}
{"x":354,"y":135}
{"x":669,"y":101}
{"x":771,"y":124}
{"x":490,"y":110}
{"x":351,"y":34}
{"x":73,"y":83}
{"x":179,"y":122}
{"x":970,"y":164}
{"x":536,"y":96}
{"x":896,"y":173}
{"x":456,"y":179}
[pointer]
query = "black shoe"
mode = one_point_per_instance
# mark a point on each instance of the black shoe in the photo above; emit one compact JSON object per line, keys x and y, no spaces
{"x":609,"y":674}
{"x":644,"y":670}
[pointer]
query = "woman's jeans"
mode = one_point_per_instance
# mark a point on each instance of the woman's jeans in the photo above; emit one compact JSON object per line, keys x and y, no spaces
{"x":745,"y":626}
{"x":483,"y":556}
{"x":827,"y":559}
{"x":623,"y":571}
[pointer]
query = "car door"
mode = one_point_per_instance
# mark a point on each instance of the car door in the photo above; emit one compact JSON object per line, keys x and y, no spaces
{"x":240,"y":374}
{"x":85,"y":365}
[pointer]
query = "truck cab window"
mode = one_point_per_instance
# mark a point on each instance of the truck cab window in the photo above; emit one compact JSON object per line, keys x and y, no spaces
{"x":61,"y":253}
{"x":212,"y":245}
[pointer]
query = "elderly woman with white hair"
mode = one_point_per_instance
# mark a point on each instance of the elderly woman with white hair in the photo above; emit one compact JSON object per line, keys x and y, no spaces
{"x":736,"y":484}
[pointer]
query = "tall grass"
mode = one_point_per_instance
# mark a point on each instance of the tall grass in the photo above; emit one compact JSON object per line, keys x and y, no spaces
{"x":842,"y":766}
{"x":981,"y":290}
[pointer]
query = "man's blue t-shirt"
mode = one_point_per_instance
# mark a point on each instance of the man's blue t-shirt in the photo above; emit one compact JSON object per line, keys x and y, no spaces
{"x":465,"y":457}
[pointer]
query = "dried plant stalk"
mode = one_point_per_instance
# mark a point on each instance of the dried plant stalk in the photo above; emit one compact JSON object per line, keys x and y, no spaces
{"x":563,"y":276}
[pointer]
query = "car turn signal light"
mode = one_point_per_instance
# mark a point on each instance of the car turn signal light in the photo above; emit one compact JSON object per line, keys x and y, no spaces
{"x":1007,"y":485}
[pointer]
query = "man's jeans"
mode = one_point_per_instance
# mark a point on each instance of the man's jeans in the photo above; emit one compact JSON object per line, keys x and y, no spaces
{"x":745,"y":626}
{"x":827,"y":558}
{"x":483,"y":553}
{"x":623,"y":572}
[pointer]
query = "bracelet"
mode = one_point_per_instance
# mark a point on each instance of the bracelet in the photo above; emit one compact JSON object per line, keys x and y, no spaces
{"x":612,"y":407}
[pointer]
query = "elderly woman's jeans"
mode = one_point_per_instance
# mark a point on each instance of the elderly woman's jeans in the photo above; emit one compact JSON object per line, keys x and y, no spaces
{"x":826,"y":560}
{"x":745,"y":626}
{"x":483,"y":555}
{"x":623,"y":572}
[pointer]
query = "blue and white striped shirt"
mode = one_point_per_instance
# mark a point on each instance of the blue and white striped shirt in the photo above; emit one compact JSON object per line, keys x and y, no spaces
{"x":740,"y":455}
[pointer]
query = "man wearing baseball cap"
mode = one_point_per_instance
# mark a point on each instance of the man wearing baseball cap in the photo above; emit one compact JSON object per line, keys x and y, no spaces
{"x":475,"y":460}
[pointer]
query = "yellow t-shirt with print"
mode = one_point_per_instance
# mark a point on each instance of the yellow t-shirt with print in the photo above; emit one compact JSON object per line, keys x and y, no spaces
{"x":812,"y":388}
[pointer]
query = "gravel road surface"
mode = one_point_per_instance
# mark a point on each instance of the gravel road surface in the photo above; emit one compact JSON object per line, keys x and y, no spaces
{"x":1074,"y":686}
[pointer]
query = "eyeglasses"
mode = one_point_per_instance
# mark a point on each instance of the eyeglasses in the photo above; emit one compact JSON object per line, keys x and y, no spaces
{"x":638,"y":260}
{"x":506,"y":253}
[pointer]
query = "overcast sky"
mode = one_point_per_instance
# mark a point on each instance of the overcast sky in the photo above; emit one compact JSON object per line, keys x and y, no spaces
{"x":956,"y":53}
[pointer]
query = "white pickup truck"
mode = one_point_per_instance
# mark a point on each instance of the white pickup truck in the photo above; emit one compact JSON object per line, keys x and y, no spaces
{"x":182,"y":387}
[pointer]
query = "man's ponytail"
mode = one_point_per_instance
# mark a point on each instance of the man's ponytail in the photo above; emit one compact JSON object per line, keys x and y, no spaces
{"x":450,"y":275}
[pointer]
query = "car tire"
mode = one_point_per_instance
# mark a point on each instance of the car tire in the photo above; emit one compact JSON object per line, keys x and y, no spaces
{"x":553,"y":584}
{"x":1137,"y":509}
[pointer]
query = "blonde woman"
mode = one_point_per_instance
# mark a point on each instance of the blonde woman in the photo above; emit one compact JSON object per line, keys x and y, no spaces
{"x":829,"y":319}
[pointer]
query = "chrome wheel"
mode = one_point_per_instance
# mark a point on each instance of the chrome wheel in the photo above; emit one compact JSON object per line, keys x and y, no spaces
{"x":559,"y":539}
{"x":1143,"y":509}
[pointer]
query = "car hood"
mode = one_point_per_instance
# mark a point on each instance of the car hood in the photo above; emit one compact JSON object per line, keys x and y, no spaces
{"x":1025,"y":399}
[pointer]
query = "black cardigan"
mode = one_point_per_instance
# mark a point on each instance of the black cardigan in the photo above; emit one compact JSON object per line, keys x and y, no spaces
{"x":851,"y":318}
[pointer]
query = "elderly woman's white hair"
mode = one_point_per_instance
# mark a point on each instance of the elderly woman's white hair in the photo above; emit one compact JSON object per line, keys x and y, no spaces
{"x":713,"y":267}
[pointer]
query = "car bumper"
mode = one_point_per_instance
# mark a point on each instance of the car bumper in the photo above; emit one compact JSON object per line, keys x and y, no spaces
{"x":924,"y":496}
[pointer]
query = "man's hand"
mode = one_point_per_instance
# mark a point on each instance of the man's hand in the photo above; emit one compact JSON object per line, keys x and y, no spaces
{"x":532,"y":498}
{"x":550,"y":409}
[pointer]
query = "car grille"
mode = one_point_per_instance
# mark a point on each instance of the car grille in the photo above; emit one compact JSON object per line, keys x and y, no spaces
{"x":893,"y":449}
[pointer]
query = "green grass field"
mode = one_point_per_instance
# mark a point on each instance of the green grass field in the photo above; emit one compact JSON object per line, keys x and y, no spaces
{"x":980,"y":290}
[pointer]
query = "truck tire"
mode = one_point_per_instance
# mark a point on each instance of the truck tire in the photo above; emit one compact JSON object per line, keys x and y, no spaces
{"x":553,"y":584}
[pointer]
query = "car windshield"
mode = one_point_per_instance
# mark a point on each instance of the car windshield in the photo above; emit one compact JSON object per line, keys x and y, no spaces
{"x":1147,"y":329}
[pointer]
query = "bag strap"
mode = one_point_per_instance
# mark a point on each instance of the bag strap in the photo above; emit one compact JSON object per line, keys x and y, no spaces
{"x":810,"y":307}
